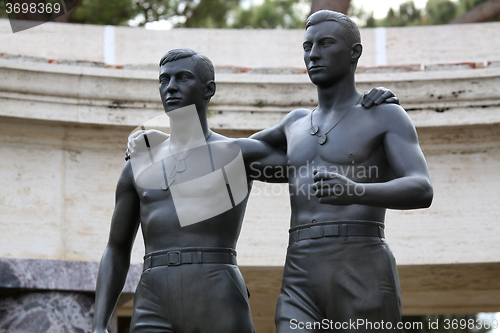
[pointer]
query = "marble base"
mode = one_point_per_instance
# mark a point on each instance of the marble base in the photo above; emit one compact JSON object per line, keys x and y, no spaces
{"x":66,"y":275}
{"x":47,"y":312}
{"x":52,"y":296}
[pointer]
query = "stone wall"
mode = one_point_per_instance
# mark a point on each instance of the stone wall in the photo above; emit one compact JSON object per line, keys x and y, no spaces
{"x":425,"y":45}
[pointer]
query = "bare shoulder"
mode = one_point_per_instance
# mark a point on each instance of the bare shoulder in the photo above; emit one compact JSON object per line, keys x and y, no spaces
{"x":246,"y":144}
{"x":291,"y":117}
{"x":220,"y":140}
{"x":296,"y":114}
{"x":220,"y":144}
{"x":126,"y":181}
{"x":392,"y":117}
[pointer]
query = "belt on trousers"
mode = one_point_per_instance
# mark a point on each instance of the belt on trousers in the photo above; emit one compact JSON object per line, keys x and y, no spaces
{"x":336,"y":229}
{"x":190,"y":256}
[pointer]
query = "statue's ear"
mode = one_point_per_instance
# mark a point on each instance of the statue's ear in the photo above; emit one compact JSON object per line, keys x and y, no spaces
{"x":356,"y":51}
{"x":210,"y":89}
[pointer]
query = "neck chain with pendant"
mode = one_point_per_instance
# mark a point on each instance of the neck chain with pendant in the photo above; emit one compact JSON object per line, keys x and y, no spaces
{"x":180,"y":166}
{"x":315,"y":128}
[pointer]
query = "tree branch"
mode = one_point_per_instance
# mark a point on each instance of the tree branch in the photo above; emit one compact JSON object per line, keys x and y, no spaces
{"x":481,"y":13}
{"x":336,"y":5}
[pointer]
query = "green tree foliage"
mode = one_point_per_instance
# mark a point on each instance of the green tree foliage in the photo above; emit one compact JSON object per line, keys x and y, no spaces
{"x":191,"y":13}
{"x":435,"y":12}
{"x":363,"y":18}
{"x":440,"y":11}
{"x":112,"y":12}
{"x":209,"y":13}
{"x":270,"y":14}
{"x":3,"y":13}
{"x":407,"y":15}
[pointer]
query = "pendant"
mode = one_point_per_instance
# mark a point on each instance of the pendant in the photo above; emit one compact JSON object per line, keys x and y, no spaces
{"x":314,"y":130}
{"x":322,"y":139}
{"x":180,"y":166}
{"x":168,"y":180}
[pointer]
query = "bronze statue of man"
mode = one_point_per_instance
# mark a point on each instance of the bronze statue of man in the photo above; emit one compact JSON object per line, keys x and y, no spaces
{"x":190,"y":281}
{"x":339,"y":269}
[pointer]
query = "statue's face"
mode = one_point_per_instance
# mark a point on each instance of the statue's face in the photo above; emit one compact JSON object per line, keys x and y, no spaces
{"x":180,"y":85}
{"x":326,"y":55}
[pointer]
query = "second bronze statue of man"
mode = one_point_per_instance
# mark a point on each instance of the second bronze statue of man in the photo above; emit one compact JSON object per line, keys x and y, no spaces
{"x":340,"y":274}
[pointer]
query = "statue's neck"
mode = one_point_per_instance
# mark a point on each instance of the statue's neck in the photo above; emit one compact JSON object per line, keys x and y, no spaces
{"x":338,"y":95}
{"x":186,"y":130}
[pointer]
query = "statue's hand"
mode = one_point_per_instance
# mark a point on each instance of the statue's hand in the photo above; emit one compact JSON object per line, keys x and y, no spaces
{"x":335,"y":189}
{"x":149,"y":138}
{"x":378,"y":96}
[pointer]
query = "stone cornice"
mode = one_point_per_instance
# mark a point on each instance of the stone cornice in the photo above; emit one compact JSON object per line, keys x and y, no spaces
{"x":128,"y":97}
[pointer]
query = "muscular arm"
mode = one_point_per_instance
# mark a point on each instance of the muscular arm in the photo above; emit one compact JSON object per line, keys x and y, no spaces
{"x":262,"y":161}
{"x":268,"y":157}
{"x":115,"y":261}
{"x":411,"y":187}
{"x":274,"y":136}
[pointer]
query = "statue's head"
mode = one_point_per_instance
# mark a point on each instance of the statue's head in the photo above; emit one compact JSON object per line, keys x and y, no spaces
{"x":332,"y":46}
{"x":186,"y":77}
{"x":351,"y":30}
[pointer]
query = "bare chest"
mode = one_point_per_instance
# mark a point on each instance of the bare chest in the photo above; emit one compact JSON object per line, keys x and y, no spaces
{"x":353,"y":141}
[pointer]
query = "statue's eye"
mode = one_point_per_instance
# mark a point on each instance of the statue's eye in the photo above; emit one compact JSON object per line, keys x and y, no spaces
{"x":164,"y":79}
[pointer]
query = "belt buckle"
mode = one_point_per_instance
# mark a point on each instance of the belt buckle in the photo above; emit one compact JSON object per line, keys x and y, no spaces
{"x":171,"y":262}
{"x":147,"y":264}
{"x":316,"y":232}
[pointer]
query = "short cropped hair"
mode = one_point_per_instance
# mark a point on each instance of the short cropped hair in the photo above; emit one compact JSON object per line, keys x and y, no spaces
{"x":202,"y":64}
{"x":350,"y":28}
